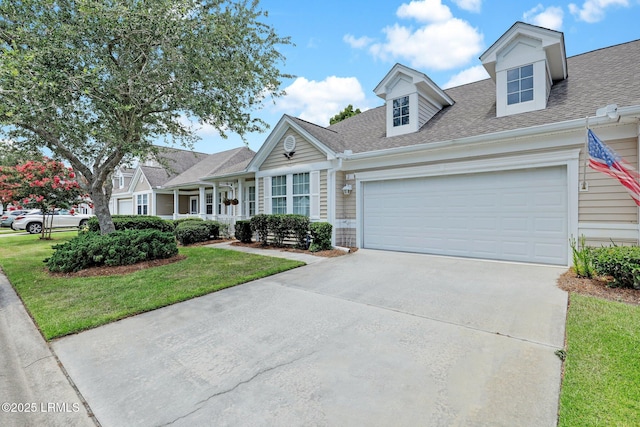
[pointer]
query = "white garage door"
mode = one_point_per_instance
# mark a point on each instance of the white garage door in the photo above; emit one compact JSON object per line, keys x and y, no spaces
{"x":518,"y":215}
{"x":125,"y":207}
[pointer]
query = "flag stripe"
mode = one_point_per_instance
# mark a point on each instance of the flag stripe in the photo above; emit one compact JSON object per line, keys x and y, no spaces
{"x":604,"y":159}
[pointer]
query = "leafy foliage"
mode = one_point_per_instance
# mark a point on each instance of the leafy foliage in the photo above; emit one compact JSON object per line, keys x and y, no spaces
{"x":122,"y":247}
{"x":190,"y":232}
{"x":344,"y":114}
{"x":97,"y":82}
{"x":260,"y":225}
{"x":621,"y":262}
{"x":582,"y":258}
{"x":243,"y":231}
{"x":321,"y":232}
{"x":45,"y":184}
{"x":134,"y":222}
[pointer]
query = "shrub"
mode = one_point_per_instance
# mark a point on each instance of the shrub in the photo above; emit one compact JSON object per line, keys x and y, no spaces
{"x":121,"y":247}
{"x":190,"y":232}
{"x":279,"y":228}
{"x":134,"y":222}
{"x":177,"y":222}
{"x":243,"y":231}
{"x":621,"y":262}
{"x":321,"y":233}
{"x":299,"y":228}
{"x":582,"y":258}
{"x":259,"y":225}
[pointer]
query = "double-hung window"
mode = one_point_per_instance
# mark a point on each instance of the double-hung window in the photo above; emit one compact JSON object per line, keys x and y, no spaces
{"x":520,"y":84}
{"x":401,"y":111}
{"x":301,"y":194}
{"x":279,"y":194}
{"x":143,"y":204}
{"x":209,"y":203}
{"x":251,"y":200}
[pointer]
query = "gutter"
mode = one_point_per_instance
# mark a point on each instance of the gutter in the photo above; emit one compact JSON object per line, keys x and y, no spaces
{"x":495,"y":136}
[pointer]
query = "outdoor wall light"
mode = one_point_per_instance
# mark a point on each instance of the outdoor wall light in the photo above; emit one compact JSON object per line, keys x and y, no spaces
{"x":347,"y":189}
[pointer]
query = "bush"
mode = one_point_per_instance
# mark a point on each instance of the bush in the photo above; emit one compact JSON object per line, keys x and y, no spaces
{"x":121,"y":247}
{"x":299,"y":228}
{"x":279,"y":228}
{"x":582,"y":258}
{"x":621,"y":262}
{"x":321,"y":233}
{"x":243,"y":231}
{"x":190,"y":232}
{"x":260,"y":226}
{"x":134,"y":222}
{"x":177,"y":222}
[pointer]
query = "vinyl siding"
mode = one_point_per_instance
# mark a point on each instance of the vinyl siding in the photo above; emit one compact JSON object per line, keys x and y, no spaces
{"x":142,"y":185}
{"x":345,"y":205}
{"x":324,"y":199}
{"x":426,"y":110}
{"x":607,"y":201}
{"x":305,"y":152}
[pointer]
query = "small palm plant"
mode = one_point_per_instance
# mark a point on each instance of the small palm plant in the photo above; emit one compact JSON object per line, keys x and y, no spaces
{"x":582,"y":257}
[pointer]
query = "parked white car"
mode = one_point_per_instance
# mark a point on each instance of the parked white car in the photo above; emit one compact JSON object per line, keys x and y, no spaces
{"x":62,"y":218}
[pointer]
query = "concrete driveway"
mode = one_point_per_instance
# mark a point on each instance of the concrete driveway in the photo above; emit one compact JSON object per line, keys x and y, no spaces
{"x":374,"y":338}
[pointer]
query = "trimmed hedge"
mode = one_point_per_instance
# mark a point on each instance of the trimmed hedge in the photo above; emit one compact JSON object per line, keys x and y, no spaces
{"x":260,"y":225}
{"x":121,"y":247}
{"x":621,"y":262}
{"x":189,"y":232}
{"x":134,"y":222}
{"x":243,"y":231}
{"x":321,"y":233}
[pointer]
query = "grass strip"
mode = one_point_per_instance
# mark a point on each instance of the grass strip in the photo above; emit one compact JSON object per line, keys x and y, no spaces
{"x":66,"y":305}
{"x":601,"y":385}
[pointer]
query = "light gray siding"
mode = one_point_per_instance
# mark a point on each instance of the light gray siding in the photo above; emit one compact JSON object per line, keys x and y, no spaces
{"x":305,"y":152}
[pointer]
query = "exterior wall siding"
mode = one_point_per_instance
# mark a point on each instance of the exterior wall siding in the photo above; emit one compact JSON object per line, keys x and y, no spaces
{"x":142,"y":185}
{"x":607,"y":201}
{"x":426,"y":110}
{"x":305,"y":152}
{"x":164,"y":204}
{"x":324,"y":196}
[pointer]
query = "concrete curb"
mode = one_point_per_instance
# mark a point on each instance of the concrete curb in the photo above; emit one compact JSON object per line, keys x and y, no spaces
{"x":34,"y":390}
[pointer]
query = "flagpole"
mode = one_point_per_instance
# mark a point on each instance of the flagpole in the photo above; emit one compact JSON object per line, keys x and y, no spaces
{"x":586,"y":154}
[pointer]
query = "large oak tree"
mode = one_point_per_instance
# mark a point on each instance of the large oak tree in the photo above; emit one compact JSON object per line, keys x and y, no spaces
{"x":97,"y":82}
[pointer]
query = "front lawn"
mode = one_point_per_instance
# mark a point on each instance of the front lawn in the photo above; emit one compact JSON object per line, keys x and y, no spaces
{"x":65,"y":305}
{"x":601,"y":385}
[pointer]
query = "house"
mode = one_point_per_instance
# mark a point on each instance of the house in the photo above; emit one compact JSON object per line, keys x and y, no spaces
{"x":169,"y":184}
{"x":493,"y":169}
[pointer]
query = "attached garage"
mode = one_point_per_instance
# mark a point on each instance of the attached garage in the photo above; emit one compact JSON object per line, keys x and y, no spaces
{"x":515,"y":215}
{"x":125,"y":207}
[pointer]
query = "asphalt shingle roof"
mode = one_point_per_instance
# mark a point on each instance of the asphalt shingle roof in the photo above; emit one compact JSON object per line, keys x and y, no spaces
{"x":598,"y":78}
{"x":222,"y":163}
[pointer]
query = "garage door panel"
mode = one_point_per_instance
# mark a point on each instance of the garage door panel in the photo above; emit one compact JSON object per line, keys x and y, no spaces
{"x":513,"y":215}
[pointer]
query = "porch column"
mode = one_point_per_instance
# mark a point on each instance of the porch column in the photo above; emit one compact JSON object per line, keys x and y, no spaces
{"x":215,"y":201}
{"x":202,"y":203}
{"x":240,"y":212}
{"x":176,"y":203}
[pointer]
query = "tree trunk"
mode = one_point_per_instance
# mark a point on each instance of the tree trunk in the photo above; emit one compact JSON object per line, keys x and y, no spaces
{"x":101,"y":209}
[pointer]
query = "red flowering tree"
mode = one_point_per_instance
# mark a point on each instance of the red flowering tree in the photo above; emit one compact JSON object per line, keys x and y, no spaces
{"x":44,"y":185}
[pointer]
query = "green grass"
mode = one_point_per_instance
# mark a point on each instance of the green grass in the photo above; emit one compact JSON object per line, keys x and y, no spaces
{"x":65,"y":305}
{"x":601,"y":385}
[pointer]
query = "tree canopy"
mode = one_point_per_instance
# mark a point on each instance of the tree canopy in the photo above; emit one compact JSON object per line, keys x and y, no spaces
{"x":97,"y":82}
{"x":344,"y":114}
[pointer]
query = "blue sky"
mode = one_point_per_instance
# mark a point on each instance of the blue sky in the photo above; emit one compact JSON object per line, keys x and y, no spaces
{"x":343,"y":49}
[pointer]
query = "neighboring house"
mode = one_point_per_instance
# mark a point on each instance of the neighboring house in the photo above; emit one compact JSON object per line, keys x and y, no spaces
{"x":491,"y":169}
{"x":171,"y":188}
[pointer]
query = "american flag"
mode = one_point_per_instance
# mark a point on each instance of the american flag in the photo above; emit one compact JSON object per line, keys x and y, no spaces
{"x":603,"y":159}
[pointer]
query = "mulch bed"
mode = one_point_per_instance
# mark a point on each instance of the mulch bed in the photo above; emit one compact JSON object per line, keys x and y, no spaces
{"x":597,"y":287}
{"x":120,"y":269}
{"x":327,"y":254}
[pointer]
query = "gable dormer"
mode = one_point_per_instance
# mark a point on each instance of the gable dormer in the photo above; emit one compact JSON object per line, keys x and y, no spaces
{"x":524,"y":63}
{"x":411,"y":99}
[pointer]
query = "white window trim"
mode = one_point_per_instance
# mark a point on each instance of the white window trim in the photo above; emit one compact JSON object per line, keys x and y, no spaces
{"x":314,"y":188}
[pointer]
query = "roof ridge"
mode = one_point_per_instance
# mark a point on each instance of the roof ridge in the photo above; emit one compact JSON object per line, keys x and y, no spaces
{"x":313,"y":124}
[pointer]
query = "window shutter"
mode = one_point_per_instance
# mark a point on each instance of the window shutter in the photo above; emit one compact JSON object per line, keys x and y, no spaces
{"x":314,"y":186}
{"x":267,"y":194}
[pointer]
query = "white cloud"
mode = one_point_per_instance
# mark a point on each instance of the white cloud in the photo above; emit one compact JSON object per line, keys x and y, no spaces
{"x":425,"y":11}
{"x":469,"y":5}
{"x":440,"y":46}
{"x":317,"y":101}
{"x":357,"y":43}
{"x":469,"y":75}
{"x":594,"y":10}
{"x":202,"y":130}
{"x":551,"y":17}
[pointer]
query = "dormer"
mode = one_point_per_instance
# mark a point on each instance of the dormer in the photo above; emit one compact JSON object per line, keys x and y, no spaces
{"x":524,"y":63}
{"x":411,"y":99}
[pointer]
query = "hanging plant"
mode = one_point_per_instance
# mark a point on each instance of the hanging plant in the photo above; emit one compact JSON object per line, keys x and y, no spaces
{"x":226,"y":202}
{"x":234,"y":201}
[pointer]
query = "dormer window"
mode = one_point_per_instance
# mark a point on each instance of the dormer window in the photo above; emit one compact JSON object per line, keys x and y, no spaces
{"x":520,"y":84}
{"x":401,"y":111}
